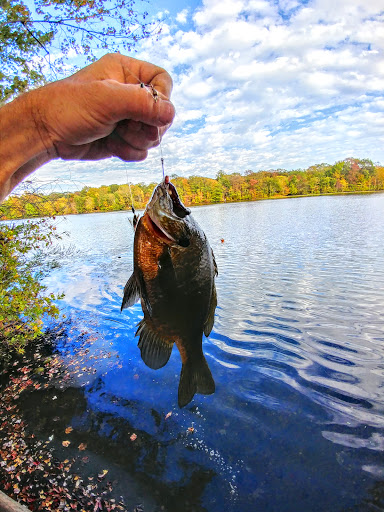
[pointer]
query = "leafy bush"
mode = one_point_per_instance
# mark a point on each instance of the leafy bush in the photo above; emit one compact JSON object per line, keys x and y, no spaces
{"x":23,"y":297}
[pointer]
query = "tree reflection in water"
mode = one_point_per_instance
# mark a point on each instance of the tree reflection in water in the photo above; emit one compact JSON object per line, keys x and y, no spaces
{"x":138,"y":468}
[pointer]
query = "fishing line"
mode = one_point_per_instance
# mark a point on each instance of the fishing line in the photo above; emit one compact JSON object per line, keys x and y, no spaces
{"x":130,"y":191}
{"x":155,"y":95}
{"x":161,"y":151}
{"x":135,"y":216}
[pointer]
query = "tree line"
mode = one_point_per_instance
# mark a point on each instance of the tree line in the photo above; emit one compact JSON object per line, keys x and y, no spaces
{"x":349,"y":175}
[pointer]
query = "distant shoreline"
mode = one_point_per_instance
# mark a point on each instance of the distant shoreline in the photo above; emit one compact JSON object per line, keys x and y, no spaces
{"x":349,"y":176}
{"x":272,"y":198}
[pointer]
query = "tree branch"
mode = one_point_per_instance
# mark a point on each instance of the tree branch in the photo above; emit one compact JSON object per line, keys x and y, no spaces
{"x":34,"y":37}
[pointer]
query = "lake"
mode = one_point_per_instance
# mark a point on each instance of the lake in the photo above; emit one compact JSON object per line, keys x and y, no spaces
{"x":297,"y":353}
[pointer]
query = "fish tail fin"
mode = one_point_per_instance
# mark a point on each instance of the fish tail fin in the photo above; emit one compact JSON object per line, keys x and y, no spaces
{"x":195,"y":377}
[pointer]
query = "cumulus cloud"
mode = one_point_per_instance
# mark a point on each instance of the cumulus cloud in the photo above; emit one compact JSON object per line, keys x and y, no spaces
{"x":181,"y":16}
{"x":260,"y":84}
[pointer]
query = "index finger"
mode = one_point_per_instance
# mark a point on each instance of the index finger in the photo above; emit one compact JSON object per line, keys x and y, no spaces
{"x":117,"y":101}
{"x":148,"y":73}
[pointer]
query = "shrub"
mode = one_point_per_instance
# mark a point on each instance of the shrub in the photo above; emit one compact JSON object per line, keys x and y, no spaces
{"x":23,"y":297}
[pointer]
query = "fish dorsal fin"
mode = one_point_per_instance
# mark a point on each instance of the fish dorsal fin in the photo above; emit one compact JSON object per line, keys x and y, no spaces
{"x":215,"y":264}
{"x":155,"y":351}
{"x":131,"y":293}
{"x":211,"y":313}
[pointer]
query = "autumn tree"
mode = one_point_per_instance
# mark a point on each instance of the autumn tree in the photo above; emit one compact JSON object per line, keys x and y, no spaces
{"x":345,"y":176}
{"x":24,"y":300}
{"x":36,"y":39}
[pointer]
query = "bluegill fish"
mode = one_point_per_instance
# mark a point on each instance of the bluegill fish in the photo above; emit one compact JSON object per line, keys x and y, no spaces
{"x":174,"y":277}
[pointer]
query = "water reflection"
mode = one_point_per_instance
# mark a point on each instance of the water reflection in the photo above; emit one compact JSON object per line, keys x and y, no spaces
{"x":297,"y":421}
{"x":153,"y":480}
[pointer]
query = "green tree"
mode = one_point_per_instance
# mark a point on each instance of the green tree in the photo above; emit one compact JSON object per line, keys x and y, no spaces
{"x":113,"y":188}
{"x":80,"y":203}
{"x":293,"y":185}
{"x":80,"y":26}
{"x":23,"y":298}
{"x":217,"y":193}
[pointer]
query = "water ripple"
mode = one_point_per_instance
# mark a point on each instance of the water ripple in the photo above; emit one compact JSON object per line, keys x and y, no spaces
{"x":297,"y":342}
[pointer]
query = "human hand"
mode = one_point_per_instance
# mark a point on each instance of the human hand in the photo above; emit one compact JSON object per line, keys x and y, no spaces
{"x":102,"y":110}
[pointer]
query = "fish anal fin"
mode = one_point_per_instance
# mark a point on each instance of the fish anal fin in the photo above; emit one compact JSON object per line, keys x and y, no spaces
{"x":195,"y":377}
{"x":155,"y":351}
{"x":131,"y":293}
{"x":211,"y":313}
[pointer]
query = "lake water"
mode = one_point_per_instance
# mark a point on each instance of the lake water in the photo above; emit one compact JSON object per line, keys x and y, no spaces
{"x":297,"y":353}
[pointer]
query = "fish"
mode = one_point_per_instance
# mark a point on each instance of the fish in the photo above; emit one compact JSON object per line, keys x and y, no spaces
{"x":173,"y":276}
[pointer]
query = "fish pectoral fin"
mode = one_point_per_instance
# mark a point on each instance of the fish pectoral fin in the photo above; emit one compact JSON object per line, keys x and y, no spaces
{"x":195,"y":377}
{"x":143,"y":292}
{"x":155,"y":351}
{"x":211,"y":313}
{"x":131,"y":293}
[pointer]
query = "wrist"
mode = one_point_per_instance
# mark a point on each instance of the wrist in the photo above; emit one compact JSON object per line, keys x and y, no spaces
{"x":23,"y":141}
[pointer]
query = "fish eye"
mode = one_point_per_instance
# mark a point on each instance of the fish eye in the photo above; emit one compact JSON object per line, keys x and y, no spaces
{"x":184,"y":242}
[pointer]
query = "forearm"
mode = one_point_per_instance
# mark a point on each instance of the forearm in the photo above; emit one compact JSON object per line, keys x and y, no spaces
{"x":100,"y":112}
{"x":23,"y":147}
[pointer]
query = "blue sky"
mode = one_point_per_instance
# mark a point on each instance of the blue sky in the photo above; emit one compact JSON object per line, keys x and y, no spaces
{"x":260,"y":84}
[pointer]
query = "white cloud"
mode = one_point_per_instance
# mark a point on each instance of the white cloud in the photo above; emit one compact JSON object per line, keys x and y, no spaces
{"x":181,"y":16}
{"x":260,"y":84}
{"x":214,"y":11}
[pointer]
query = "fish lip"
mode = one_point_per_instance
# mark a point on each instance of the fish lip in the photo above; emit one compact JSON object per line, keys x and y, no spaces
{"x":177,"y":206}
{"x":178,"y":210}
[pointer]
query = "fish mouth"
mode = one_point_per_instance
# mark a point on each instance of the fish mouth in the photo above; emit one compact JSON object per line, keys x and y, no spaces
{"x":166,"y":214}
{"x":178,"y":208}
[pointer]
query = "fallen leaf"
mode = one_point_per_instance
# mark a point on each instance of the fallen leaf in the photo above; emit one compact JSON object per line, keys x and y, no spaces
{"x":191,"y":429}
{"x":133,"y":437}
{"x":97,"y":505}
{"x":82,"y":446}
{"x":66,"y":443}
{"x":168,"y":415}
{"x":102,"y":475}
{"x":68,"y":430}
